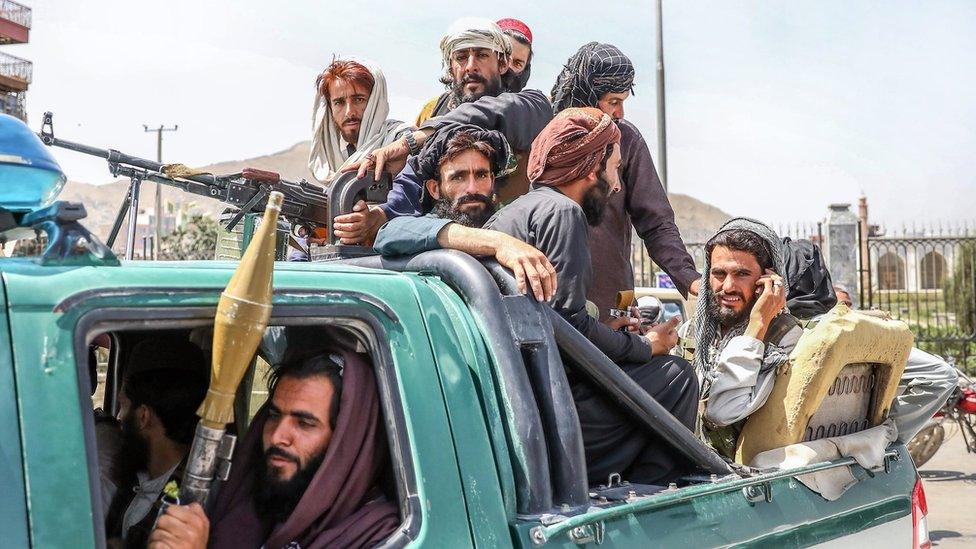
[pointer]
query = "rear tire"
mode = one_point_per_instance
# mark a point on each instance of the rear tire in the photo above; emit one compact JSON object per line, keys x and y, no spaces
{"x":926,"y":443}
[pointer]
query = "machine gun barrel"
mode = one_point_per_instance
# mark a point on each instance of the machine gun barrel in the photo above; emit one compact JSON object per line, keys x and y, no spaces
{"x":248,"y":190}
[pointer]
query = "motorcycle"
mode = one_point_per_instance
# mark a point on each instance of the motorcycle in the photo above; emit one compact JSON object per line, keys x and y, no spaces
{"x":960,"y":408}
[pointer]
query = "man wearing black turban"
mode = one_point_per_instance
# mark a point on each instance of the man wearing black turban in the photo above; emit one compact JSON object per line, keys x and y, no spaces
{"x":601,"y":76}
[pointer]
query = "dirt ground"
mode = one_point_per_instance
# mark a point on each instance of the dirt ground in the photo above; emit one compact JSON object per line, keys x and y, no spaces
{"x":950,"y":490}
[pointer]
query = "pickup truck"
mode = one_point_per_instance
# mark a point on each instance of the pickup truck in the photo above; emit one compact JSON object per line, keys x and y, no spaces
{"x":471,"y":376}
{"x":484,"y":445}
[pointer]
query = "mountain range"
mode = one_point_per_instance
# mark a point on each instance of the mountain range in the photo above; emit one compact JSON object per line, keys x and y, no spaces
{"x":696,"y":220}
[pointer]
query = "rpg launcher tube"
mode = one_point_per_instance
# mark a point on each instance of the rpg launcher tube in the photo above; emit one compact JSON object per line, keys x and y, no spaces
{"x":242,"y":315}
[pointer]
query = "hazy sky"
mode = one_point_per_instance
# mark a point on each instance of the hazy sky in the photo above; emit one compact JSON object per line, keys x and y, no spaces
{"x":775,"y":109}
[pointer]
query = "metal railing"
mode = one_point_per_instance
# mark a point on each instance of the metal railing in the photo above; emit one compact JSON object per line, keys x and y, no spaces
{"x":15,"y":12}
{"x":12,"y":66}
{"x":930,"y":283}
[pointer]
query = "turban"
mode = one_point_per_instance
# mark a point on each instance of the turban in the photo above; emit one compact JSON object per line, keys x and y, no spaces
{"x":596,"y":69}
{"x":509,"y":24}
{"x":426,"y":164}
{"x":474,"y":32}
{"x":571,"y":146}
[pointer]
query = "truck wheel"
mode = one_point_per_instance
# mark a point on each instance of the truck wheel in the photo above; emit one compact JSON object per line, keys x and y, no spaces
{"x":926,"y":443}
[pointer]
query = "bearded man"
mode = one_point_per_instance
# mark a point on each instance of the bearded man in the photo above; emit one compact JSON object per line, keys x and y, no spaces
{"x":306,"y":473}
{"x":459,"y":166}
{"x":349,"y":121}
{"x":601,"y":76}
{"x":744,"y":332}
{"x":164,"y":382}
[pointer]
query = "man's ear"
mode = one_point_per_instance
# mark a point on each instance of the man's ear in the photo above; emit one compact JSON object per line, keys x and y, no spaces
{"x":434,"y":189}
{"x":144,"y":417}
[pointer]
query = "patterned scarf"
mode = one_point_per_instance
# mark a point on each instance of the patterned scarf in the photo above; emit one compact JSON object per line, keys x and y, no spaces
{"x":707,"y":329}
{"x":596,"y":69}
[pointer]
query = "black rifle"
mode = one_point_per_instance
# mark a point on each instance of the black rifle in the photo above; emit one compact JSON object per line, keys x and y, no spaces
{"x":305,"y":203}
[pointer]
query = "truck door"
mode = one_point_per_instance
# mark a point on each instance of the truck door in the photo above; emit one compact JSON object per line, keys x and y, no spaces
{"x":13,"y":503}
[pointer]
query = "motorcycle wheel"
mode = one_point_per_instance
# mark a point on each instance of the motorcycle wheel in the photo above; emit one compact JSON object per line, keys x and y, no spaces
{"x":926,"y":443}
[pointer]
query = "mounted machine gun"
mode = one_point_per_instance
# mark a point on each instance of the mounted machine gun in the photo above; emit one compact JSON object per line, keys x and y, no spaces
{"x":304,"y":203}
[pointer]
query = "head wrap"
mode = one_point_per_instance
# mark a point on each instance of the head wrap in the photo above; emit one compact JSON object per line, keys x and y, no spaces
{"x":328,"y":152}
{"x":474,"y":32}
{"x":341,"y":506}
{"x":596,"y":69}
{"x":707,"y":326}
{"x":811,"y":292}
{"x":426,"y":163}
{"x":571,"y":146}
{"x":515,"y":25}
{"x":516,"y":82}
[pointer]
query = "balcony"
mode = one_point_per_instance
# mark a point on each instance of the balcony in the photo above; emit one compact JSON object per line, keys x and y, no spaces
{"x":15,"y":22}
{"x":15,"y":73}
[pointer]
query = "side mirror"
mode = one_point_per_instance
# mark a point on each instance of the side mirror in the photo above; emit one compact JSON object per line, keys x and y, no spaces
{"x":651,"y":310}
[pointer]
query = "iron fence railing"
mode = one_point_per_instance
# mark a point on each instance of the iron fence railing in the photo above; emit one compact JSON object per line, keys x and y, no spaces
{"x":12,"y":66}
{"x":930,"y":283}
{"x":16,"y":12}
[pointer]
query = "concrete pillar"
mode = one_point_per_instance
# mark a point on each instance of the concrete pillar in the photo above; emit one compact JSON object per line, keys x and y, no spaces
{"x":842,"y":248}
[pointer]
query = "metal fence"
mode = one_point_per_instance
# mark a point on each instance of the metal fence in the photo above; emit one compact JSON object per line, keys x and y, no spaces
{"x":930,"y":283}
{"x":13,"y":11}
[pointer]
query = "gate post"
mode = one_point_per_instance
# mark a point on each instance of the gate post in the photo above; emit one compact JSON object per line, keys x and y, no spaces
{"x":842,"y":248}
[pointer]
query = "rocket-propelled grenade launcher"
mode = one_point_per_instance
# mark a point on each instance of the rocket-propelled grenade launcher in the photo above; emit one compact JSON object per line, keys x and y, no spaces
{"x":242,"y":315}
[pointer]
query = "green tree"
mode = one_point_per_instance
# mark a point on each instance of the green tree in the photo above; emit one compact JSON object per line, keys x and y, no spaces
{"x":194,"y":238}
{"x":960,"y":288}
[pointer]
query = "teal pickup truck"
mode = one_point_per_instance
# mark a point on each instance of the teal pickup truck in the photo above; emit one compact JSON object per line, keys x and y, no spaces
{"x":485,"y":445}
{"x":474,"y":394}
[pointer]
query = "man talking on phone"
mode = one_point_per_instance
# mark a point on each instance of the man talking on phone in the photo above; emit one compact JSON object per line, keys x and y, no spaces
{"x":744,"y":330}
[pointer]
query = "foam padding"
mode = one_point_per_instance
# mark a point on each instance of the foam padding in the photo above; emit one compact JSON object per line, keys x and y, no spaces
{"x":841,"y":337}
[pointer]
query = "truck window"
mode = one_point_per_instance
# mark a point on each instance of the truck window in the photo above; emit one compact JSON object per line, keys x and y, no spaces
{"x":122,"y":357}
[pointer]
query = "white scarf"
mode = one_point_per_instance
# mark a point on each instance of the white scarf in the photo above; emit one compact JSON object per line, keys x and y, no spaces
{"x":474,"y":32}
{"x":328,"y":151}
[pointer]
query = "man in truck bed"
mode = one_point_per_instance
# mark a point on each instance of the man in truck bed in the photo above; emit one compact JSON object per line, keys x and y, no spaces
{"x":573,"y":167}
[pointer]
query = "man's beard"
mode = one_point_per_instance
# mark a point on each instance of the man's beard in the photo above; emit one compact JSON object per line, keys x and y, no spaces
{"x":275,"y":499}
{"x":451,"y":209}
{"x":133,"y":451}
{"x":492,"y":87}
{"x":728,"y":317}
{"x":595,"y":201}
{"x":353,"y":138}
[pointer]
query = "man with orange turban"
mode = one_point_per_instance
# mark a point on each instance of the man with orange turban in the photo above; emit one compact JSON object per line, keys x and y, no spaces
{"x":573,"y":168}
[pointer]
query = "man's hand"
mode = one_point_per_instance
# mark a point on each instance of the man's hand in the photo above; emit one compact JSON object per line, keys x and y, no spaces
{"x":693,"y":290}
{"x":663,"y":337}
{"x":181,"y":527}
{"x":769,"y":304}
{"x":360,"y":226}
{"x":632,"y":322}
{"x":526,"y":262}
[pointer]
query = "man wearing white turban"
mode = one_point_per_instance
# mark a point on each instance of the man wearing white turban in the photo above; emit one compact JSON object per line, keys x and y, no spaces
{"x":475,"y":54}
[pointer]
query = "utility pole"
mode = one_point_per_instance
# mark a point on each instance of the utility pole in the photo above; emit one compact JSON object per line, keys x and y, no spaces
{"x":158,"y":227}
{"x":662,"y":134}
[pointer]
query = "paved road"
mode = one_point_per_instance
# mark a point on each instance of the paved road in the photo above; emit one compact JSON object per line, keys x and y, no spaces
{"x":950,"y":490}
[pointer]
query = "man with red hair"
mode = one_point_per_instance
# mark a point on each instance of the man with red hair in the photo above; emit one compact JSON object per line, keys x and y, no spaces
{"x":349,"y":122}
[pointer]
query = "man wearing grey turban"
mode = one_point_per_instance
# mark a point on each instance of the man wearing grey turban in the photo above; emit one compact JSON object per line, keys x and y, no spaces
{"x":744,"y":331}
